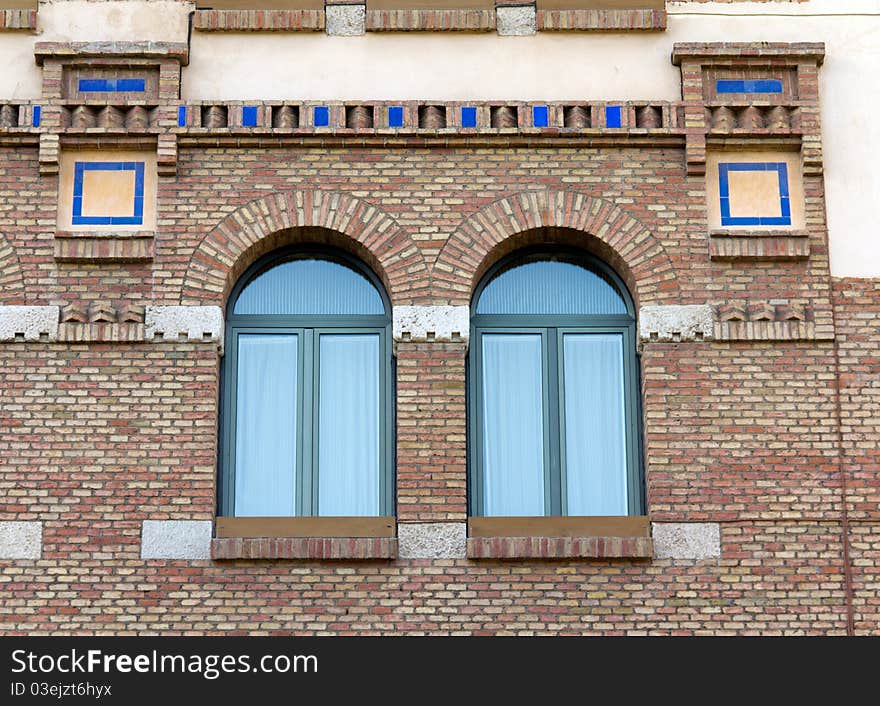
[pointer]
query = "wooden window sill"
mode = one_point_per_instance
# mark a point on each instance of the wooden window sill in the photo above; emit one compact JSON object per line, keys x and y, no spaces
{"x":559,"y":538}
{"x":305,"y":538}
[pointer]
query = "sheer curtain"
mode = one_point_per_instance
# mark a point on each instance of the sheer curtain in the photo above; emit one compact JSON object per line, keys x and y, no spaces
{"x":348,"y":444}
{"x":595,"y":437}
{"x":265,"y":426}
{"x":513,"y":425}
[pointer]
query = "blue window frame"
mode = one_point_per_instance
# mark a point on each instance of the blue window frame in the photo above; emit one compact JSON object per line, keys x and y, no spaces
{"x":553,"y":390}
{"x":306,"y":409}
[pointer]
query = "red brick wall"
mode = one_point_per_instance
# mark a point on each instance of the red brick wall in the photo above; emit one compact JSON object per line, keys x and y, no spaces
{"x":96,"y":438}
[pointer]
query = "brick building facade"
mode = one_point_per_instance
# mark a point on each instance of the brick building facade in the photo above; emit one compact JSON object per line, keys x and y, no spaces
{"x":758,"y":367}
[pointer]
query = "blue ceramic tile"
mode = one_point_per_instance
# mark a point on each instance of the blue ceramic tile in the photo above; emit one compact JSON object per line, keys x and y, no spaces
{"x":322,"y":116}
{"x":395,"y":116}
{"x":468,"y":116}
{"x":540,"y":116}
{"x":249,"y":116}
{"x":758,"y":86}
{"x":111,"y":85}
{"x":181,"y":116}
{"x":612,"y":116}
{"x":37,"y":114}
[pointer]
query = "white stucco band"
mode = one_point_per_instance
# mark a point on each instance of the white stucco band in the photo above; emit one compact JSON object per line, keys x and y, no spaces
{"x":516,"y":20}
{"x":21,"y":540}
{"x":29,"y":322}
{"x":170,"y":323}
{"x":346,"y":20}
{"x":675,"y":322}
{"x":176,"y":539}
{"x":441,"y":323}
{"x":432,"y":540}
{"x":686,"y":540}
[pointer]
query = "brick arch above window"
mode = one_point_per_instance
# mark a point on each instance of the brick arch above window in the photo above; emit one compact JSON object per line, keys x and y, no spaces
{"x":313,"y":216}
{"x":547,"y":216}
{"x":11,"y":277}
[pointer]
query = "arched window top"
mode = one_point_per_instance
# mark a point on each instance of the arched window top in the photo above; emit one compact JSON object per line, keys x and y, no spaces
{"x":309,"y":284}
{"x":551,"y":283}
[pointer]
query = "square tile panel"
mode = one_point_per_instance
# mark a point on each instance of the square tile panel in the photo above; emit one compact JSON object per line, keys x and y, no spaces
{"x":322,"y":116}
{"x":754,"y":194}
{"x":468,"y":116}
{"x":113,"y":189}
{"x":108,"y":193}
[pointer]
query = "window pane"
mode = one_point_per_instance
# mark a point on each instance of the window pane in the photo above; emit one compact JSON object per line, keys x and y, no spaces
{"x":348,"y":444}
{"x":550,"y":287}
{"x":513,"y":425}
{"x":265,"y":426}
{"x":310,"y":287}
{"x":595,"y":437}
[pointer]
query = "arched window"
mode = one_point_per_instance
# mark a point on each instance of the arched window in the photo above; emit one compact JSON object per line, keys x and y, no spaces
{"x":306,"y":414}
{"x":554,"y":403}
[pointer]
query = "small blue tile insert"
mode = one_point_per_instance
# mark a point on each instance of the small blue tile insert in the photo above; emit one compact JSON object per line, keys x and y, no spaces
{"x":37,"y":114}
{"x":322,"y":116}
{"x":612,"y":116}
{"x":137,"y":216}
{"x":781,"y":169}
{"x":468,"y":116}
{"x":395,"y":116}
{"x":540,"y":116}
{"x":112,"y":85}
{"x":181,"y":116}
{"x":249,"y":116}
{"x":759,"y":86}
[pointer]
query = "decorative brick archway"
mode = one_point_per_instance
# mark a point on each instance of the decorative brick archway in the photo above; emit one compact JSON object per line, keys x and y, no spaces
{"x":11,"y":278}
{"x":305,"y":216}
{"x":558,"y":216}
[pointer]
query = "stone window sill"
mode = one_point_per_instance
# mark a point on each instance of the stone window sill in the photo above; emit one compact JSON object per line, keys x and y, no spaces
{"x":559,"y":538}
{"x":305,"y":538}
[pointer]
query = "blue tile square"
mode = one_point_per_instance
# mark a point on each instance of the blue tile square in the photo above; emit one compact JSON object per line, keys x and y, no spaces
{"x":395,"y":116}
{"x":37,"y":114}
{"x":612,"y":116}
{"x":181,"y":116}
{"x":781,"y":169}
{"x":468,"y":116}
{"x":249,"y":116}
{"x":540,"y":116}
{"x":137,"y":215}
{"x":321,"y":116}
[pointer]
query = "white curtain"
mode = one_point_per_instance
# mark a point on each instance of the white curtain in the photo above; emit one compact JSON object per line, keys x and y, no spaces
{"x":513,"y":425}
{"x":348,"y":444}
{"x":265,"y":426}
{"x":595,"y":436}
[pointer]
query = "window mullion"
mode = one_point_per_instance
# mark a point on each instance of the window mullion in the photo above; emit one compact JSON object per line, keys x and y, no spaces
{"x":305,"y":441}
{"x":551,"y":423}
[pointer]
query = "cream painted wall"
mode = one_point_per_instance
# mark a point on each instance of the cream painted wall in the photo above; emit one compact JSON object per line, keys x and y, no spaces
{"x":547,"y":66}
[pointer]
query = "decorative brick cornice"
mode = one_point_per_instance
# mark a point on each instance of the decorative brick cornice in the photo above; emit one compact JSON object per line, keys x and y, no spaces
{"x":258,"y":20}
{"x":736,"y":52}
{"x":305,"y":548}
{"x":176,"y":51}
{"x":620,"y":239}
{"x":18,"y":20}
{"x":759,"y":245}
{"x":769,"y":321}
{"x":601,"y":20}
{"x":430,"y":20}
{"x":559,"y":548}
{"x":123,"y":247}
{"x":303,"y":216}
